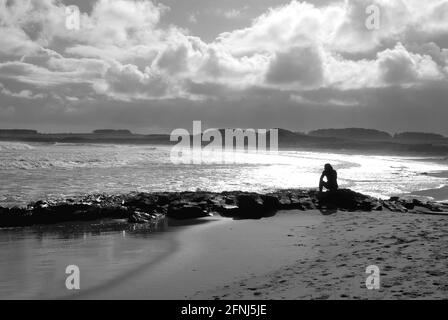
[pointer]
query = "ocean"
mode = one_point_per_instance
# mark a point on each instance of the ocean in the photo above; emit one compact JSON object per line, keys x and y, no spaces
{"x":33,"y":171}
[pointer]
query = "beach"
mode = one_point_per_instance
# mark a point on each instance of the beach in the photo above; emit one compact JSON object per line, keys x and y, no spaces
{"x":319,"y":253}
{"x":297,"y":255}
{"x":410,"y":251}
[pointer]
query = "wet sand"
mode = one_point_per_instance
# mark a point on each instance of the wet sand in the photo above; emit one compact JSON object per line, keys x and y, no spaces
{"x":298,"y":255}
{"x":440,"y":194}
{"x":212,"y":255}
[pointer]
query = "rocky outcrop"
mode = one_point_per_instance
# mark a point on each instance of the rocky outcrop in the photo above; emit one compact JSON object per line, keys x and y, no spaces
{"x":147,"y":208}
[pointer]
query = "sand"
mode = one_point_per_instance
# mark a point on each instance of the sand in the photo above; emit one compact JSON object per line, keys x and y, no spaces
{"x":298,"y":255}
{"x":410,"y":250}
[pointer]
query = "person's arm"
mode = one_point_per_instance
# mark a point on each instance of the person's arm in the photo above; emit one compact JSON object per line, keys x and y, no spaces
{"x":322,"y":177}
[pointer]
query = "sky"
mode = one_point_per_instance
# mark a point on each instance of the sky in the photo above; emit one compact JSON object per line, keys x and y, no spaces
{"x":153,"y":66}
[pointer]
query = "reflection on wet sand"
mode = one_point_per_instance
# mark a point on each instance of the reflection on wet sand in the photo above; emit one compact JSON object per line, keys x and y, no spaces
{"x":34,"y":260}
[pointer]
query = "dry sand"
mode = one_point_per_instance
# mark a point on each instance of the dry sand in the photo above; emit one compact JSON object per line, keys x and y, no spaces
{"x":410,"y":250}
{"x":299,"y":255}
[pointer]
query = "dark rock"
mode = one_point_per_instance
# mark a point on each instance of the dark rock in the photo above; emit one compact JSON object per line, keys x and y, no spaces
{"x":408,"y":204}
{"x":307,"y":204}
{"x":285,"y":202}
{"x":433,"y":206}
{"x":186,"y":212}
{"x":270,"y":202}
{"x":417,"y":202}
{"x":148,"y":207}
{"x":249,"y":202}
{"x":113,"y":212}
{"x":230,"y":200}
{"x":145,"y":202}
{"x":297,"y":202}
{"x":229,"y":211}
{"x":163,"y":199}
{"x":251,"y":206}
{"x":345,"y":199}
{"x":394,"y":206}
{"x":142,"y":217}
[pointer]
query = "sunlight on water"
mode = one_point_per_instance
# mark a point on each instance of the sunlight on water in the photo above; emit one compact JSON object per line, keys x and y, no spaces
{"x":33,"y":171}
{"x":34,"y":259}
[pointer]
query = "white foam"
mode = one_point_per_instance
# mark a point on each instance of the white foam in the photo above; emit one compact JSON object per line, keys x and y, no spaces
{"x":11,"y":146}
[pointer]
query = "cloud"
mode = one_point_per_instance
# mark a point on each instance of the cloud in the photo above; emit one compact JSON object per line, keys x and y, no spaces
{"x":125,"y":80}
{"x":125,"y":52}
{"x":233,"y":13}
{"x":398,"y":66}
{"x":26,"y":94}
{"x":298,"y":66}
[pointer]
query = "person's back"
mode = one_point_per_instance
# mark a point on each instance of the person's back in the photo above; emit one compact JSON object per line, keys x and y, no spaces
{"x":332,"y":179}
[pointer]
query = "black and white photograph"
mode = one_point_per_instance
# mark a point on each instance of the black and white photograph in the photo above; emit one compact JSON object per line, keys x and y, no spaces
{"x":237,"y":152}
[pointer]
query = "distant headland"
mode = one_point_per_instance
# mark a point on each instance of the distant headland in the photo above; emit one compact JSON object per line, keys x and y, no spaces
{"x":362,"y":140}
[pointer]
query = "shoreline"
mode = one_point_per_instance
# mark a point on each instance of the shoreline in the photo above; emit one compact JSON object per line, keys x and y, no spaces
{"x":289,"y":253}
{"x":152,"y":208}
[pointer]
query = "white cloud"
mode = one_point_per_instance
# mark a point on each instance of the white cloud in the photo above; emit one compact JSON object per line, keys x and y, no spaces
{"x":123,"y":51}
{"x":398,"y":66}
{"x":232,"y":14}
{"x":26,"y":94}
{"x":192,"y":18}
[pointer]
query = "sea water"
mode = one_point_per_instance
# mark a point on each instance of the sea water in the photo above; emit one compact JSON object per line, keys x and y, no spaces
{"x":29,"y":172}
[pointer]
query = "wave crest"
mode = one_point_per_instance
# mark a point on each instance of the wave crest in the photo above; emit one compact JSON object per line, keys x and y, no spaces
{"x":11,"y":146}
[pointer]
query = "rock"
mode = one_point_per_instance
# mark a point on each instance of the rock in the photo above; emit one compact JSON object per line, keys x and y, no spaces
{"x":433,"y":206}
{"x":417,"y":202}
{"x":230,"y":200}
{"x":228,"y":210}
{"x":251,"y":207}
{"x":408,"y":204}
{"x":143,"y":201}
{"x":345,"y":199}
{"x":297,"y":202}
{"x":394,"y":206}
{"x":307,"y":204}
{"x":142,"y":217}
{"x":285,"y":202}
{"x":114,"y":212}
{"x":186,"y":212}
{"x":270,"y":202}
{"x":163,"y":199}
{"x":146,"y":207}
{"x":42,"y":204}
{"x":249,"y":202}
{"x":15,"y":217}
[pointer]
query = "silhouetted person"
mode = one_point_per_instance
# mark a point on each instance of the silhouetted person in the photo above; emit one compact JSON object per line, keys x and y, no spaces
{"x":332,"y":179}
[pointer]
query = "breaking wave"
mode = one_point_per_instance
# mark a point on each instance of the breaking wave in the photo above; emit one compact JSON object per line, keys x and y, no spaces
{"x":12,"y":146}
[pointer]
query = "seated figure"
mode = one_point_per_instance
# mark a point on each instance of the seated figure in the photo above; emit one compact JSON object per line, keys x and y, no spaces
{"x":332,"y":179}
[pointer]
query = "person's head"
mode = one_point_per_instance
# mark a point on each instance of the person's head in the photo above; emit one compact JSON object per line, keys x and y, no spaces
{"x":328,"y":167}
